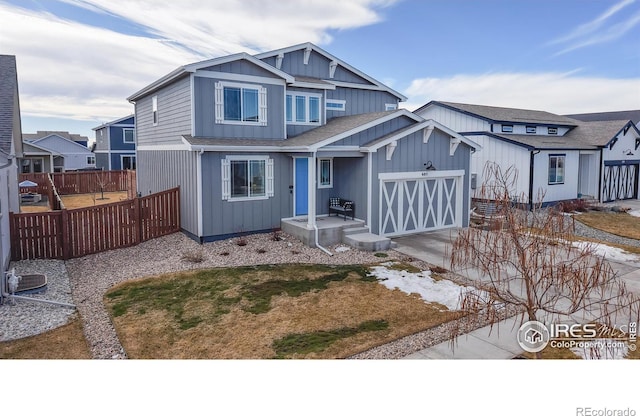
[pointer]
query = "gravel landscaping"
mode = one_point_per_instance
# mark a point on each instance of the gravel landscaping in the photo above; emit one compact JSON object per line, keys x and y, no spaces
{"x":84,"y":281}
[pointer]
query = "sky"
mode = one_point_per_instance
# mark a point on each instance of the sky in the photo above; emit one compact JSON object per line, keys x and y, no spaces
{"x":78,"y":60}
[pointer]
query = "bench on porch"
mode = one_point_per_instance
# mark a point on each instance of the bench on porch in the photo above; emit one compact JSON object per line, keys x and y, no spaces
{"x":342,"y":206}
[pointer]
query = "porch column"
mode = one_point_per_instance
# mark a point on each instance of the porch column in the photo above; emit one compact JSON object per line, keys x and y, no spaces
{"x":311,"y":195}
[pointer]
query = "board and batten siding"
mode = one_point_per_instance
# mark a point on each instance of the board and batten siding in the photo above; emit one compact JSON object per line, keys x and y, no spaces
{"x":359,"y":101}
{"x":205,"y":125}
{"x":174,"y":115}
{"x":349,"y":182}
{"x":556,"y":192}
{"x":157,"y":177}
{"x":455,"y":120}
{"x":222,"y":217}
{"x":410,"y":156}
{"x":373,"y":133}
{"x":506,"y":155}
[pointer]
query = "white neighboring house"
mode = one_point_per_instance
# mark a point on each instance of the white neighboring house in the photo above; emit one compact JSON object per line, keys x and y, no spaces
{"x":560,"y":157}
{"x":48,"y":151}
{"x":10,"y":152}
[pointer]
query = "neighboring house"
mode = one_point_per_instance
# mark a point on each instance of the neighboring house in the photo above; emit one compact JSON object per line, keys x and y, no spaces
{"x":561,"y":157}
{"x":48,"y":151}
{"x":252,"y":140}
{"x":115,"y":147}
{"x":10,"y":152}
{"x":633,"y":115}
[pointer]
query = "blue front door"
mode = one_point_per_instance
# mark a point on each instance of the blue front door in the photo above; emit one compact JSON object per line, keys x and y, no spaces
{"x":301,"y":186}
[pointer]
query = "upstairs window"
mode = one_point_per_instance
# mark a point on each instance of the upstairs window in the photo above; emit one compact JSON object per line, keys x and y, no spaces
{"x":531,"y":129}
{"x":552,"y":130}
{"x":556,"y":169}
{"x":240,"y":104}
{"x":154,"y":109}
{"x":302,"y":108}
{"x":336,"y":105}
{"x":507,"y":128}
{"x":128,"y":136}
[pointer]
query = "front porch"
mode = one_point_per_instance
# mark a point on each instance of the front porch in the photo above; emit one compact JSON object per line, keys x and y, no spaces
{"x":335,"y":230}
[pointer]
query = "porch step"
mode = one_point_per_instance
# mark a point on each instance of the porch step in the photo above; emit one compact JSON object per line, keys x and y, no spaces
{"x":367,"y":242}
{"x":355,"y":230}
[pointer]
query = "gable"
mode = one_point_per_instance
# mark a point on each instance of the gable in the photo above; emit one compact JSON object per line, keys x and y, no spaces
{"x":240,"y":67}
{"x":61,"y":145}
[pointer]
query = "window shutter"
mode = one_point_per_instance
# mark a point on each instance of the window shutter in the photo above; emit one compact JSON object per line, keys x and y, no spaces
{"x":269,"y":177}
{"x":226,"y":179}
{"x":219,"y":104}
{"x":262,"y":102}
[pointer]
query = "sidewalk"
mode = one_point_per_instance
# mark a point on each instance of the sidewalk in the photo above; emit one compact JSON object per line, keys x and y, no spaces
{"x":499,"y":342}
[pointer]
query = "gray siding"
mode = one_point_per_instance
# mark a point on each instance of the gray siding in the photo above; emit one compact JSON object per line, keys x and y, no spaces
{"x":102,"y":139}
{"x":174,"y":115}
{"x":205,"y":125}
{"x":102,"y":161}
{"x":411,"y":155}
{"x":376,"y":132}
{"x":318,"y":67}
{"x":349,"y":182}
{"x":165,"y":170}
{"x":229,"y":217}
{"x":360,"y":101}
{"x":241,"y":67}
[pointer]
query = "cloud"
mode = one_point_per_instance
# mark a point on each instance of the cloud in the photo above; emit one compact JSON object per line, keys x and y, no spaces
{"x":75,"y":70}
{"x":599,"y":30}
{"x":560,"y":93}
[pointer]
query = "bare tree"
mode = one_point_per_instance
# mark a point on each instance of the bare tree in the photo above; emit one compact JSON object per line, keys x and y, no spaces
{"x":102,"y":180}
{"x":532,"y":263}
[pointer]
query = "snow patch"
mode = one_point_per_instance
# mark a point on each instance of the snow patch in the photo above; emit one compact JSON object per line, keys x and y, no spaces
{"x":608,"y":252}
{"x":634,"y":213}
{"x":444,"y":292}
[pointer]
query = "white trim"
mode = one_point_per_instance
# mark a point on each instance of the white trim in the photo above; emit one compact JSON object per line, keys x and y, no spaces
{"x":192,"y":104}
{"x":390,"y":106}
{"x":332,"y":68}
{"x":226,"y":177}
{"x":133,"y":130}
{"x":309,"y":45}
{"x":261,"y":104}
{"x":132,"y":151}
{"x":312,"y":85}
{"x":279,"y":59}
{"x":199,"y":207}
{"x":394,"y":176}
{"x":115,"y":123}
{"x":426,"y":134}
{"x":154,"y":109}
{"x":369,"y":188}
{"x":226,"y":76}
{"x":163,"y":147}
{"x":391,"y":148}
{"x":307,"y":108}
{"x":320,"y":160}
{"x":342,"y":103}
{"x":307,"y":54}
{"x":374,"y":147}
{"x":453,"y":145}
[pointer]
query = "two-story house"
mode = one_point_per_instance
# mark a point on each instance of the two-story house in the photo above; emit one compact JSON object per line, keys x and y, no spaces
{"x":115,"y":145}
{"x":56,"y":151}
{"x":252,"y":140}
{"x":10,"y":152}
{"x":557,"y":157}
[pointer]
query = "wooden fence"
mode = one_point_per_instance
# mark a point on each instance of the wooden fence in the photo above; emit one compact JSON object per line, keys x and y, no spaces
{"x":84,"y":182}
{"x":78,"y":232}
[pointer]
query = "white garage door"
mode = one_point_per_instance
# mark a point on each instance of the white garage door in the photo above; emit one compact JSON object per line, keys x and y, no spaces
{"x":413,"y":202}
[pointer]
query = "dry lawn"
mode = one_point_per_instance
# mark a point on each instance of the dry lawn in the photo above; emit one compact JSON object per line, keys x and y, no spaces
{"x":222,"y":313}
{"x":621,"y":224}
{"x":65,"y":342}
{"x":80,"y":201}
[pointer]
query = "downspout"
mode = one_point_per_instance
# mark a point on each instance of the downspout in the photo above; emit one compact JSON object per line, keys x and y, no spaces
{"x":313,"y":190}
{"x":531,"y":170}
{"x":600,"y":177}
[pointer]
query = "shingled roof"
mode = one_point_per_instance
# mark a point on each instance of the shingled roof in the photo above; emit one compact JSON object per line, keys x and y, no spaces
{"x":10,"y":128}
{"x":64,"y":134}
{"x":633,"y":115}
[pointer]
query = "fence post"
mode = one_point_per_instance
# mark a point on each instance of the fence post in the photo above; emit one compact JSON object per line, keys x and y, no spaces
{"x":138,"y":218}
{"x":66,"y":241}
{"x":15,"y":242}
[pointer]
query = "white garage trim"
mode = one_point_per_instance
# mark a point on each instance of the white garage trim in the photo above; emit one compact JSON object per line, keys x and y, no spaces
{"x":414,"y":202}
